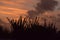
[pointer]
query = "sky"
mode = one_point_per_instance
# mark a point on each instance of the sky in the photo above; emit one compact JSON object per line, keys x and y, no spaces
{"x":14,"y":8}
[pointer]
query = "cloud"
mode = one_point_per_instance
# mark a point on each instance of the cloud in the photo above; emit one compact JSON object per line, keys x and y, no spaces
{"x":16,"y":7}
{"x":46,"y":5}
{"x":22,"y":4}
{"x":11,"y":12}
{"x":43,"y":6}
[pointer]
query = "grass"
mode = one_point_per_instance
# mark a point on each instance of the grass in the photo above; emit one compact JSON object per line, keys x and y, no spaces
{"x":30,"y":27}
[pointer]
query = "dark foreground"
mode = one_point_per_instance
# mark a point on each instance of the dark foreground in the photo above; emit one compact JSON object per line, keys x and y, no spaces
{"x":30,"y":30}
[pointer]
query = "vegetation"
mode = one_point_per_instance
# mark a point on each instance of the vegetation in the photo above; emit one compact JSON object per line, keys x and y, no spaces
{"x":30,"y":28}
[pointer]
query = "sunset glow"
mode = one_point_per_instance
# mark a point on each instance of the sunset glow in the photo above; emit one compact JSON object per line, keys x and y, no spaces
{"x":16,"y":8}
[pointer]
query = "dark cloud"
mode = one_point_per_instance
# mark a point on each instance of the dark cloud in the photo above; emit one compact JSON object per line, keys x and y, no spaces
{"x":46,"y":5}
{"x":32,"y":13}
{"x":43,"y":6}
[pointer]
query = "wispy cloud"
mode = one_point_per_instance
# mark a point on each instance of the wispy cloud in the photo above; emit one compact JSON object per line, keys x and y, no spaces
{"x":11,"y":11}
{"x":15,"y":7}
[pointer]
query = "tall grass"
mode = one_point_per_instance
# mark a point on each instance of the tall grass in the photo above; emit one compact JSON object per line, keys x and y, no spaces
{"x":31,"y":25}
{"x":28,"y":25}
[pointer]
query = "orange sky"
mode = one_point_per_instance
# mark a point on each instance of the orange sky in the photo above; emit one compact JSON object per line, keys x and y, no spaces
{"x":14,"y":8}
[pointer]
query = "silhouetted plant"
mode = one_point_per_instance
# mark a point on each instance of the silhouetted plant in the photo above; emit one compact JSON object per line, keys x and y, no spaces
{"x":31,"y":25}
{"x":26,"y":24}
